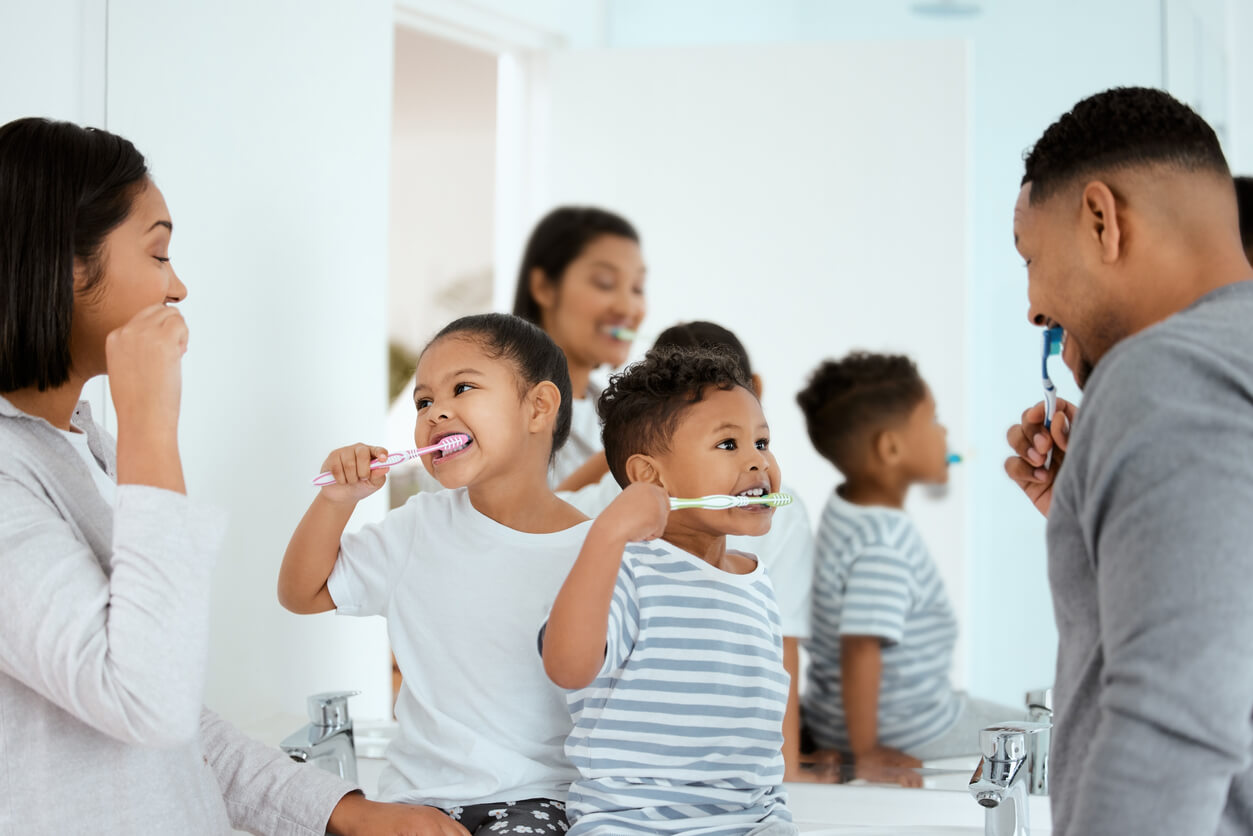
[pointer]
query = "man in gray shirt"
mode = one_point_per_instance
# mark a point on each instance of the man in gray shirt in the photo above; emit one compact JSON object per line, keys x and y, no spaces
{"x":1127,"y":221}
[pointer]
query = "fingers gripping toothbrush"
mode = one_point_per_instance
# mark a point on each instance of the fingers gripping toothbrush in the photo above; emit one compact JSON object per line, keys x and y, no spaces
{"x":1052,"y":346}
{"x":449,"y":444}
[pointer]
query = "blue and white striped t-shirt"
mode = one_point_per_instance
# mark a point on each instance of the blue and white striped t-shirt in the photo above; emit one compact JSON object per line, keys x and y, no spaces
{"x":681,"y":732}
{"x":873,"y":576}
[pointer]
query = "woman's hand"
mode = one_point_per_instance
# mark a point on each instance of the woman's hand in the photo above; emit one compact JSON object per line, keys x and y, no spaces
{"x":1031,"y":444}
{"x":354,"y":815}
{"x":144,"y":362}
{"x":354,"y":480}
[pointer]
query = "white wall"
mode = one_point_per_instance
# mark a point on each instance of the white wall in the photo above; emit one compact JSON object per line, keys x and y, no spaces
{"x":1030,"y":62}
{"x":270,"y":141}
{"x":781,"y":220}
{"x":1239,"y":31}
{"x":443,"y":178}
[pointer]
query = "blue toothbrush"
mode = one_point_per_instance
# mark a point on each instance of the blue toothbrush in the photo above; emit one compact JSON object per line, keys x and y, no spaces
{"x":1052,"y":346}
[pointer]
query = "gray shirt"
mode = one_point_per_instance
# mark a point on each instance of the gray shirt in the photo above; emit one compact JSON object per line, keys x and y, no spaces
{"x":104,"y":624}
{"x":1151,"y":565}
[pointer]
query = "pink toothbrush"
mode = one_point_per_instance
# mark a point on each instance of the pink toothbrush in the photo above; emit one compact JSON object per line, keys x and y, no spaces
{"x":447,"y":444}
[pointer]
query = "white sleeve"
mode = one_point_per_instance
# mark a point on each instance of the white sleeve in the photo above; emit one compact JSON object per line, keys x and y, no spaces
{"x":371,"y":560}
{"x":124,"y":652}
{"x":594,"y":498}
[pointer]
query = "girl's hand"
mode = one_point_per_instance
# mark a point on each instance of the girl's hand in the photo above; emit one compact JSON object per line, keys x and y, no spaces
{"x":638,"y":513}
{"x":354,"y":480}
{"x":1031,"y":444}
{"x":355,"y":816}
{"x":144,"y":362}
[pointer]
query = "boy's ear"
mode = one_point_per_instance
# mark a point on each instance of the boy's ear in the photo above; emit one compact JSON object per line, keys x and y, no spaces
{"x":888,"y":447}
{"x":643,"y":468}
{"x":545,"y":403}
{"x":756,"y":381}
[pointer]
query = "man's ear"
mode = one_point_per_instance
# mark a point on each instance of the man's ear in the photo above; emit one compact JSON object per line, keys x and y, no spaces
{"x":1100,"y":220}
{"x":643,"y":468}
{"x":544,"y":401}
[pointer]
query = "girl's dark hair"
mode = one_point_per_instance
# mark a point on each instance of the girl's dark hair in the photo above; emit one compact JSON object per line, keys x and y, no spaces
{"x":63,"y":189}
{"x":846,"y":402}
{"x":557,"y":240}
{"x":641,"y":406}
{"x":532,"y":352}
{"x":703,"y":334}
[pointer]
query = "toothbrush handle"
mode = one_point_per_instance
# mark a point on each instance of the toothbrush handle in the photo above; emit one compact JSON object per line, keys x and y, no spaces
{"x":399,"y":457}
{"x":716,"y":503}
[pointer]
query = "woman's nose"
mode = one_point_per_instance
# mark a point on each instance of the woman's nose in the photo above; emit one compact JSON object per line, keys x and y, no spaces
{"x":177,"y":291}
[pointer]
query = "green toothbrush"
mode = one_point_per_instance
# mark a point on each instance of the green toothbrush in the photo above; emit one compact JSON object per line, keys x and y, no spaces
{"x":722,"y":501}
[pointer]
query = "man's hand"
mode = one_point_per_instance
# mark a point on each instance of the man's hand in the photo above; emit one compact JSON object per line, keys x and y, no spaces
{"x":1031,"y":444}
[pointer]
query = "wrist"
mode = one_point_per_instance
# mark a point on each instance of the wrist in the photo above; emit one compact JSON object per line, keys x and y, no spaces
{"x":347,"y":814}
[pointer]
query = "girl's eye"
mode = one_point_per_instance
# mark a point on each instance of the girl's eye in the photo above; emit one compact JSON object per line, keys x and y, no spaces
{"x":728,"y":444}
{"x":422,"y":403}
{"x":763,"y":444}
{"x":461,"y":387}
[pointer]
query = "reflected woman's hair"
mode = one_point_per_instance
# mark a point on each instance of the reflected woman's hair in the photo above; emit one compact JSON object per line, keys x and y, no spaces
{"x":1244,"y":206}
{"x":701,"y":333}
{"x":557,"y":240}
{"x":63,"y":189}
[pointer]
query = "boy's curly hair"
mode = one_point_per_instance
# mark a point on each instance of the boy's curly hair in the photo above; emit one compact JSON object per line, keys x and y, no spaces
{"x":848,"y":401}
{"x":641,"y":406}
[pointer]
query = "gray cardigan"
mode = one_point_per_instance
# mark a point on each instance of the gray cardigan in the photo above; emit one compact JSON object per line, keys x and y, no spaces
{"x":104,"y":626}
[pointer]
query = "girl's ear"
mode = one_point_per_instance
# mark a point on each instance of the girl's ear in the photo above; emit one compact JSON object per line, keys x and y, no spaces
{"x":644,"y":468}
{"x":543,"y":403}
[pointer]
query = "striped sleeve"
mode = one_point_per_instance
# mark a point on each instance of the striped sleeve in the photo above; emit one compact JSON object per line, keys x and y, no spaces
{"x":624,"y":620}
{"x":878,"y":595}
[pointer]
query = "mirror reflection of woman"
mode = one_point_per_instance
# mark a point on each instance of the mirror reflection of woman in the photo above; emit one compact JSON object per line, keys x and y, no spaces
{"x":582,"y":280}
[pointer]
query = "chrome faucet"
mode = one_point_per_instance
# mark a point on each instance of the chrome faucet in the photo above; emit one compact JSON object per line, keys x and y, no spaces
{"x":1003,"y":777}
{"x":1040,"y":710}
{"x":327,"y":741}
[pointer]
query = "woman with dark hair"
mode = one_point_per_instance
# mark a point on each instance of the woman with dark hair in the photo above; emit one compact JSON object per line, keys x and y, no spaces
{"x":104,"y":606}
{"x":582,"y":280}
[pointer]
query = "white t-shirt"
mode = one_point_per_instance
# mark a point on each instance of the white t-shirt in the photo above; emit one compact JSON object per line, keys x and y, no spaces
{"x":584,"y":440}
{"x":786,"y":551}
{"x":106,"y":486}
{"x":464,"y":597}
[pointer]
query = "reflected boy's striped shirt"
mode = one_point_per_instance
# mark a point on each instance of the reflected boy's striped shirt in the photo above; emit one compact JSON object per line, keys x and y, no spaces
{"x":685,"y":719}
{"x":873,"y":576}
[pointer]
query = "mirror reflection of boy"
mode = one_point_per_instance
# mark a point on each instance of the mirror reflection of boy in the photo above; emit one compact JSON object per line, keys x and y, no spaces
{"x":883,"y":626}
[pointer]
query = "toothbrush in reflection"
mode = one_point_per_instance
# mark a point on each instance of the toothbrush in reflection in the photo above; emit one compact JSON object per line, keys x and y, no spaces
{"x":954,"y":458}
{"x":448,"y":444}
{"x":1052,"y":346}
{"x":621,"y":333}
{"x":722,"y":501}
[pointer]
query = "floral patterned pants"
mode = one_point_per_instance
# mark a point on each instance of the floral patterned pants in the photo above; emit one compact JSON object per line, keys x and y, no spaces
{"x":533,"y":816}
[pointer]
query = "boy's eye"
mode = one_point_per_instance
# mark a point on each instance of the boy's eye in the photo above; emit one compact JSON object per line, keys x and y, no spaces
{"x":763,"y":444}
{"x":727,"y":444}
{"x":461,"y":387}
{"x":162,"y":260}
{"x":422,"y":403}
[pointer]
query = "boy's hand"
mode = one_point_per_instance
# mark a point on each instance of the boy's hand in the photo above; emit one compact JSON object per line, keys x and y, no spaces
{"x":638,"y":513}
{"x":355,"y":816}
{"x":1031,"y":444}
{"x":354,"y":480}
{"x":883,"y":765}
